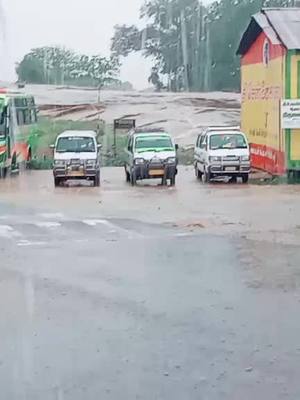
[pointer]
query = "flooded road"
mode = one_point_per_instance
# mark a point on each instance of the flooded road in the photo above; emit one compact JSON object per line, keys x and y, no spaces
{"x":149,"y":292}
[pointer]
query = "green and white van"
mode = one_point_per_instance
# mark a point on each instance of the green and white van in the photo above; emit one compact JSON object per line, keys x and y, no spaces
{"x":150,"y":154}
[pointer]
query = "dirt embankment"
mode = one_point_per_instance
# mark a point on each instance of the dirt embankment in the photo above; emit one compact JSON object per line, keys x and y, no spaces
{"x":182,"y":114}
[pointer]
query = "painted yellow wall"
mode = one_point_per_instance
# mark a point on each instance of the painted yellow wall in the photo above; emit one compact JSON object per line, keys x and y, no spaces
{"x":262,"y":89}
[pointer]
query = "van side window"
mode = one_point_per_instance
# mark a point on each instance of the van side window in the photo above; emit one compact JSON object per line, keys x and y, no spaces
{"x":130,"y":144}
{"x":198,"y":141}
{"x":203,"y":141}
{"x":33,"y":116}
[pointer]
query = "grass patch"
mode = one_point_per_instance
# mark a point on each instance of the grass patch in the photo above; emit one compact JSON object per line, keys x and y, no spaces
{"x":186,"y":156}
{"x":45,"y":134}
{"x":48,"y":129}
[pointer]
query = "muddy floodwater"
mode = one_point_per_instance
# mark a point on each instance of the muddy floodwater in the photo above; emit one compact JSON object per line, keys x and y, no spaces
{"x":264,"y":212}
{"x":151,"y":292}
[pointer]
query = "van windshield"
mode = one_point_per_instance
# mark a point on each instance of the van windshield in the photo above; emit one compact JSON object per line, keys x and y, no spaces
{"x":153,"y":143}
{"x":76,"y":144}
{"x":228,"y":141}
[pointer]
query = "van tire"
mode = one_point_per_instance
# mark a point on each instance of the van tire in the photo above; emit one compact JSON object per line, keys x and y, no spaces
{"x":173,"y":180}
{"x":198,"y":173}
{"x":245,"y":178}
{"x":127,"y":175}
{"x":207,"y":176}
{"x":133,"y":178}
{"x":3,"y":172}
{"x":164,"y":181}
{"x":57,"y":181}
{"x":97,"y":180}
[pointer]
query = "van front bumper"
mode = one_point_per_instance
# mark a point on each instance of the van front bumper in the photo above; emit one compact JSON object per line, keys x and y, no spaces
{"x":71,"y":173}
{"x":150,"y":171}
{"x":220,"y":169}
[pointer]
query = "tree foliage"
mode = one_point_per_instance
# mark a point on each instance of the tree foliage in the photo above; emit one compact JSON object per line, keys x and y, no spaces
{"x":193,"y":46}
{"x":57,"y":65}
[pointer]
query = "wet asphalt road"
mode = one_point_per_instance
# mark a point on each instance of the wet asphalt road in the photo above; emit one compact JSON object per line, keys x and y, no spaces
{"x":145,"y":293}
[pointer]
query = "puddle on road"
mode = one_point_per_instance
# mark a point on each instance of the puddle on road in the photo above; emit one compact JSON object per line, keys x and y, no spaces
{"x":269,"y":265}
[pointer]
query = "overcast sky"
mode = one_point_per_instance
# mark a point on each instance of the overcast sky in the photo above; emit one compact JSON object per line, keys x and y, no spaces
{"x":83,"y":25}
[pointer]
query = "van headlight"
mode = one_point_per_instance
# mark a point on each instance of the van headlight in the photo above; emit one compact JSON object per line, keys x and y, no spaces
{"x":59,"y":163}
{"x":91,"y":163}
{"x":171,"y":160}
{"x":245,"y":158}
{"x":139,"y":161}
{"x":215,"y":159}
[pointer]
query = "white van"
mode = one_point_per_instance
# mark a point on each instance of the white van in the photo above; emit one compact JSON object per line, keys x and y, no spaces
{"x":76,"y":156}
{"x":222,"y":151}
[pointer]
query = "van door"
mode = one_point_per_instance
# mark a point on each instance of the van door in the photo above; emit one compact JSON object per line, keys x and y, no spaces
{"x":197,"y":148}
{"x":202,"y":152}
{"x":129,"y":153}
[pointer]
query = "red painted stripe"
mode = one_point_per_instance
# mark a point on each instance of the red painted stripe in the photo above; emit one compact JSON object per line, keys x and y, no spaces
{"x":3,"y":149}
{"x":267,"y":159}
{"x":21,"y":149}
{"x":255,"y":54}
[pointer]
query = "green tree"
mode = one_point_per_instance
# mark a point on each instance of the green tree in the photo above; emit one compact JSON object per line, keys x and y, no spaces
{"x":126,"y":39}
{"x":226,"y":22}
{"x":30,"y":69}
{"x":57,"y":65}
{"x":192,"y":45}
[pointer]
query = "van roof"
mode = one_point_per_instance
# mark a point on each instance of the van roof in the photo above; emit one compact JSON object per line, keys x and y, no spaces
{"x":78,"y":134}
{"x":159,"y":134}
{"x":222,"y":128}
{"x":147,"y":130}
{"x":224,"y":131}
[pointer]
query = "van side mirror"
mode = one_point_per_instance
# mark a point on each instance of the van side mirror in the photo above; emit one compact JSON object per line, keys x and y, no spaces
{"x":176,"y":147}
{"x":99,"y":146}
{"x":52,"y":146}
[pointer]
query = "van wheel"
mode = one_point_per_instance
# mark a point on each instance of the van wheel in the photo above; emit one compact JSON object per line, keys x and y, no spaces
{"x":133,"y":178}
{"x":127,"y":175}
{"x":206,"y":176}
{"x":245,"y":178}
{"x":164,"y":181}
{"x":3,"y":172}
{"x":198,"y":174}
{"x":57,"y":182}
{"x":97,"y":180}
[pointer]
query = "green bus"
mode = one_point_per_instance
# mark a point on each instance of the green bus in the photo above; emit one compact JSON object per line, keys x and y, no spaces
{"x":18,"y":120}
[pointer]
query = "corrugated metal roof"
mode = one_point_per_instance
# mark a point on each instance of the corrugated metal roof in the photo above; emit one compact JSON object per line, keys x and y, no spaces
{"x":281,"y":25}
{"x":263,"y":22}
{"x":286,"y":23}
